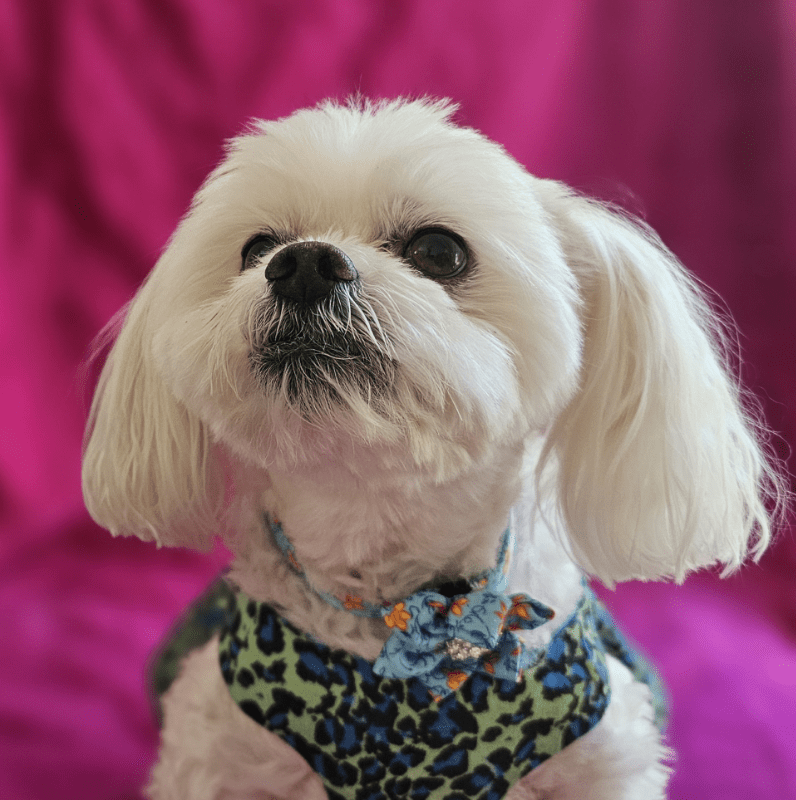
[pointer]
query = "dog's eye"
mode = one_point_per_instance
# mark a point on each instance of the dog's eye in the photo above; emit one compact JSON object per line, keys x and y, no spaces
{"x":437,"y":253}
{"x":256,"y":248}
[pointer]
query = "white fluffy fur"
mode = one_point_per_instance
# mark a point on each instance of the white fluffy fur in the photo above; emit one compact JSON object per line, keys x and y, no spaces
{"x":574,"y":379}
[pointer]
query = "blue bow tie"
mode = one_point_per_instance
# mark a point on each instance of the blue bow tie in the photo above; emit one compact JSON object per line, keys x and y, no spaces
{"x":442,"y":640}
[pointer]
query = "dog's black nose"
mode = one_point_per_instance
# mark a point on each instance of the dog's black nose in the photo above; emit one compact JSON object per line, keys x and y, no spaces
{"x":308,"y":271}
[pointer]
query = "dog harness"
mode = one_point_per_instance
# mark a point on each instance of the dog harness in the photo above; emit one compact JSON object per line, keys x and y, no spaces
{"x":454,"y":708}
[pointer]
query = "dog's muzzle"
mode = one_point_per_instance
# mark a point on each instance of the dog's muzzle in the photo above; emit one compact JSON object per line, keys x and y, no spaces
{"x":308,"y":271}
{"x":315,"y":340}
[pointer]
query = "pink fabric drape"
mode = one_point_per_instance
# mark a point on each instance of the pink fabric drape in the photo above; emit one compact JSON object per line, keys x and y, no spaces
{"x":111,"y":115}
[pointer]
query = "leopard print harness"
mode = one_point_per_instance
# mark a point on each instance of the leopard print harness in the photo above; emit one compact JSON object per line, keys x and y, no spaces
{"x":370,"y":737}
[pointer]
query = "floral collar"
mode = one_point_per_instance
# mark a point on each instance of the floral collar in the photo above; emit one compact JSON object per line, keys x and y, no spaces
{"x":440,"y":639}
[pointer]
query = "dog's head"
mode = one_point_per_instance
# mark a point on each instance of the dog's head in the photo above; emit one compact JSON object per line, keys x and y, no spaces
{"x":376,"y":277}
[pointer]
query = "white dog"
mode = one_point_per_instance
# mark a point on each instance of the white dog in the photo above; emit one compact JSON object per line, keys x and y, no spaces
{"x":376,"y":357}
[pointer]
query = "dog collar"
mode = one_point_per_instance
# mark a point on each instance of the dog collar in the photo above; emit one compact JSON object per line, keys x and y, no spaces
{"x":496,"y":577}
{"x":443,"y":640}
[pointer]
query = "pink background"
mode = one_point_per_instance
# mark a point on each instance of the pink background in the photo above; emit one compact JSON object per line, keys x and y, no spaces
{"x":113,"y":112}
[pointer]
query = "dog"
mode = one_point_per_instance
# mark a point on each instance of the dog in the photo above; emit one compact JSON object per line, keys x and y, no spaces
{"x":420,"y":394}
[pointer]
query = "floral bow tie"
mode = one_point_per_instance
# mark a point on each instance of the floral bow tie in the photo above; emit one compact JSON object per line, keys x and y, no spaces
{"x":443,"y":640}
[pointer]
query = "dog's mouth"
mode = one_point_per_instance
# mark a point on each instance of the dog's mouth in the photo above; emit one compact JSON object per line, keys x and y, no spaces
{"x":321,"y":355}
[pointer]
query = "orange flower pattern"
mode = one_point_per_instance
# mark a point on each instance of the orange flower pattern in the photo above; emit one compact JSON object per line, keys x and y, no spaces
{"x":291,"y":557}
{"x":456,"y":678}
{"x":353,"y":602}
{"x":522,"y":611}
{"x":458,"y":604}
{"x":398,"y":617}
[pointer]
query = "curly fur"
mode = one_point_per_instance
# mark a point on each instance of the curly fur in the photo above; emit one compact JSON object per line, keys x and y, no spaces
{"x":572,"y":378}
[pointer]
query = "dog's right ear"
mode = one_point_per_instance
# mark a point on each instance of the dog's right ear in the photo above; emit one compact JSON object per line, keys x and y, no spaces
{"x":149,"y":467}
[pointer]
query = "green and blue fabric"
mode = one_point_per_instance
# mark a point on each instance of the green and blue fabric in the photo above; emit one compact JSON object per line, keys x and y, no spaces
{"x":371,"y":737}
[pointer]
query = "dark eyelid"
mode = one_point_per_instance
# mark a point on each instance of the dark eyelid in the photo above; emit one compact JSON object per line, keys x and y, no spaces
{"x":426,"y":229}
{"x":276,"y":239}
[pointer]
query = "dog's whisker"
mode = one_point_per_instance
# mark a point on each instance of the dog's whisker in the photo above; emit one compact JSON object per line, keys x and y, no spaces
{"x":366,"y":315}
{"x":347,"y":301}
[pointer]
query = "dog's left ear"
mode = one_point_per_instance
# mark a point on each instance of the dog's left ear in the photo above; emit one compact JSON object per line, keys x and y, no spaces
{"x":658,"y":467}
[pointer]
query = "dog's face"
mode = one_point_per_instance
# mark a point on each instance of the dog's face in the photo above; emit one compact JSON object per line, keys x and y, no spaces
{"x":375,"y":285}
{"x":385,"y":276}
